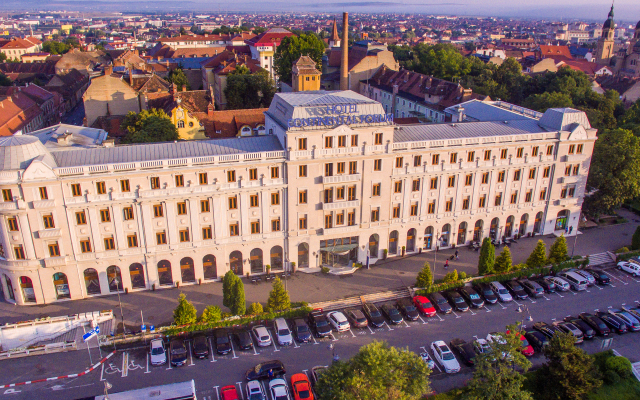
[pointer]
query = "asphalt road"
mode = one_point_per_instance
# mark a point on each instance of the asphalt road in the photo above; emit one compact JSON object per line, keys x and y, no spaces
{"x":75,"y":116}
{"x":130,"y":369}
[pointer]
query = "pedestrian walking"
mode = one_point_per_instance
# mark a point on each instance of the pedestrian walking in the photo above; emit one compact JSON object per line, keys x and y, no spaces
{"x":456,"y":253}
{"x":270,"y":374}
{"x":446,"y":264}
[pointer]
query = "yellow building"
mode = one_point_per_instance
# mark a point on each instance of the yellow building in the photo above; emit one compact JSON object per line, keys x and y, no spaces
{"x":187,"y":110}
{"x":189,"y":127}
{"x":66,"y":28}
{"x":304,"y":75}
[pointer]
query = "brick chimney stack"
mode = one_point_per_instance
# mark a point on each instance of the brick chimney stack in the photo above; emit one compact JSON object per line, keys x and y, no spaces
{"x":344,"y":66}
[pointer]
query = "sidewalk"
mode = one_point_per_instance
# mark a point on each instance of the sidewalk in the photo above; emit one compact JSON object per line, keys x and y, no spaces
{"x":157,"y":306}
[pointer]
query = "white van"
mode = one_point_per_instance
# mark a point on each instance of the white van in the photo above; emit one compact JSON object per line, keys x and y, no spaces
{"x":282,"y":332}
{"x":576,"y":281}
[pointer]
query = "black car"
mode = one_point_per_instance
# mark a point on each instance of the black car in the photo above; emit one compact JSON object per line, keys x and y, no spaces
{"x":601,"y":277}
{"x":222,"y":342}
{"x":261,"y":371}
{"x":633,"y":311}
{"x":301,"y":330}
{"x":408,"y":309}
{"x":457,"y":301}
{"x":177,"y":352}
{"x":532,"y":288}
{"x":587,"y":330}
{"x":537,"y":340}
{"x":487,"y":293}
{"x":440,"y":303}
{"x":546,"y":329}
{"x":200,"y":347}
{"x":392,"y":314}
{"x":471,"y":296}
{"x":320,"y":323}
{"x":465,"y":350}
{"x":546,"y":284}
{"x":516,"y":289}
{"x":375,"y":316}
{"x":615,"y":323}
{"x":243,"y":340}
{"x":596,"y":323}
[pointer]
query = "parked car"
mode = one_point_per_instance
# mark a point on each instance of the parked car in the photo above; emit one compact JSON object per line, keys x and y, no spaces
{"x":533,"y":288}
{"x":242,"y":338}
{"x":548,"y":330}
{"x":633,"y":311}
{"x":501,"y":292}
{"x":229,"y":393}
{"x":616,"y":324}
{"x":279,"y":389}
{"x":525,"y":348}
{"x":320,"y":323}
{"x":596,"y":323}
{"x":261,"y":371}
{"x":178,"y":352}
{"x":440,"y":303}
{"x":375,"y":316}
{"x":632,"y":322}
{"x":568,"y":327}
{"x":487,"y":293}
{"x":587,"y":330}
{"x":407,"y":309}
{"x":221,"y":340}
{"x":357,"y":318}
{"x":338,"y":321}
{"x":537,"y":340}
{"x":516,"y":289}
{"x":600,"y":277}
{"x":456,"y":300}
{"x":561,"y":284}
{"x":301,"y":330}
{"x":283,"y":333}
{"x":301,"y":387}
{"x":255,"y":391}
{"x":427,"y":358}
{"x":445,"y":357}
{"x":591,"y":280}
{"x":157,"y":351}
{"x":547,"y":284}
{"x":471,"y":296}
{"x":200,"y":347}
{"x":631,"y":267}
{"x":424,"y":306}
{"x":392,"y":314}
{"x":481,"y":346}
{"x":465,"y":350}
{"x":576,"y":281}
{"x":261,"y":335}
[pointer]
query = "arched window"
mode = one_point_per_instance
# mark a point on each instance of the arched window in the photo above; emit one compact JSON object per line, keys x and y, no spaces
{"x":524,"y":220}
{"x":246,"y":131}
{"x":180,"y":124}
{"x":493,"y":228}
{"x":462,"y":233}
{"x":255,"y":259}
{"x":10,"y":293}
{"x":508,"y":227}
{"x":276,"y":258}
{"x":444,"y":237}
{"x":209,"y":266}
{"x":562,"y":220}
{"x":393,"y":242}
{"x":115,"y":278}
{"x":537,"y":223}
{"x":411,"y":240}
{"x":92,"y":281}
{"x":187,"y":270}
{"x":374,"y":240}
{"x":235,"y":263}
{"x":62,"y":285}
{"x":428,"y":237}
{"x":478,"y":231}
{"x":28,"y":294}
{"x":303,"y":255}
{"x":164,"y":273}
{"x":136,"y":273}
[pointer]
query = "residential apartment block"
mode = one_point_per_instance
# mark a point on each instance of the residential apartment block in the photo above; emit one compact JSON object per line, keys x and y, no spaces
{"x":331,"y":180}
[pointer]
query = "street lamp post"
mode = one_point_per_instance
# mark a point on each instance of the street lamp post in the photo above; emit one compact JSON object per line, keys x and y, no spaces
{"x":124,"y":331}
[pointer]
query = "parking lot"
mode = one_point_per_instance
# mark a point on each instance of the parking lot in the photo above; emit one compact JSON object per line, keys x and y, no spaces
{"x":130,"y":369}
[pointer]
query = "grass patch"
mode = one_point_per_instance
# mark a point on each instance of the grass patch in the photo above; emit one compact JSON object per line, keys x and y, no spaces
{"x":627,"y":389}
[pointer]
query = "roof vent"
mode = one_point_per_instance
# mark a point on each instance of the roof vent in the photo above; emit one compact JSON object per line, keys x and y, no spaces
{"x":506,"y":122}
{"x":453,"y":125}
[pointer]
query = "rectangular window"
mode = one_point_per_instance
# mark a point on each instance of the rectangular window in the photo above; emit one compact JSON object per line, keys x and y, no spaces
{"x":543,"y":194}
{"x":328,"y":142}
{"x":302,"y":143}
{"x":532,"y":173}
{"x":158,"y":210}
{"x":234,"y":230}
{"x":572,"y":191}
{"x":231,"y":176}
{"x":470,"y":156}
{"x":204,"y":206}
{"x":127,"y":213}
{"x":275,"y":225}
{"x":576,"y":169}
{"x":550,"y":150}
{"x":567,"y":170}
{"x":351,"y":218}
{"x":132,"y":240}
{"x":563,"y":193}
{"x":377,"y":139}
{"x":397,"y":187}
{"x":85,"y":246}
{"x":254,"y":200}
{"x":435,"y":159}
{"x":503,"y":154}
{"x":340,"y":193}
{"x":302,"y":222}
{"x":161,"y":237}
{"x":182,"y":208}
{"x":302,"y":197}
{"x":448,"y":206}
{"x":451,"y":181}
{"x":342,"y":141}
{"x":13,"y":224}
{"x":453,"y":158}
{"x":54,"y":250}
{"x":580,"y":148}
{"x":233,"y":203}
{"x":396,"y":211}
{"x":275,"y":199}
{"x":528,"y":196}
{"x":377,"y":165}
{"x":468,"y":180}
{"x":414,"y":209}
{"x":353,"y":167}
{"x":431,"y":209}
{"x":516,"y":174}
{"x":206,"y":233}
{"x":255,"y":227}
{"x":109,"y":244}
{"x":155,"y":182}
{"x":351,"y":193}
{"x":487,"y":155}
{"x":328,"y":195}
{"x":498,"y":199}
{"x":184,"y":235}
{"x":417,"y":160}
{"x":519,"y":152}
{"x":572,"y":149}
{"x":375,"y":190}
{"x":434,"y":183}
{"x":546,"y":172}
{"x":19,"y":252}
{"x":534,"y":151}
{"x":514,"y":197}
{"x":75,"y":190}
{"x":375,"y":215}
{"x":328,"y":221}
{"x":415,"y":185}
{"x":465,"y":203}
{"x":47,"y":221}
{"x":43,"y":193}
{"x":179,"y":180}
{"x":482,"y":202}
{"x":302,"y":171}
{"x":124,"y":185}
{"x":328,"y":169}
{"x":485,"y":178}
{"x":340,"y":218}
{"x":354,"y":140}
{"x":501,"y":175}
{"x":275,"y":172}
{"x":340,"y":169}
{"x":81,"y":218}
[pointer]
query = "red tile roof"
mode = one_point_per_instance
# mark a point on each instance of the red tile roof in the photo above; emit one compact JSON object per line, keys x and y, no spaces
{"x":270,"y":37}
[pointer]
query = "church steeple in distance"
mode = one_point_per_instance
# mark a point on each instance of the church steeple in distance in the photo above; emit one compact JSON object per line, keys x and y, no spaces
{"x":604,"y":50}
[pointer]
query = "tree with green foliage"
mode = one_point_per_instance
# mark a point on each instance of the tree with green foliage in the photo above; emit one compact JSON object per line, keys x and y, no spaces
{"x":569,"y":373}
{"x":228,"y":281}
{"x":278,"y":297}
{"x":425,"y":277}
{"x":238,"y":300}
{"x":4,"y":80}
{"x":451,"y":276}
{"x":211,"y":314}
{"x":495,"y":378}
{"x":185,"y":312}
{"x":486,"y":262}
{"x":291,"y":48}
{"x":538,"y":256}
{"x":503,"y":261}
{"x":56,"y":48}
{"x":148,"y":126}
{"x":178,"y":77}
{"x":3,"y":57}
{"x":255,"y":309}
{"x":631,"y":118}
{"x":183,"y":31}
{"x":540,"y":102}
{"x":635,"y":239}
{"x":558,"y":252}
{"x":249,"y":90}
{"x":377,"y":371}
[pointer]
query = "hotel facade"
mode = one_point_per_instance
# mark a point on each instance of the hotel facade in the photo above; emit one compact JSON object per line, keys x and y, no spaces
{"x":331,"y":182}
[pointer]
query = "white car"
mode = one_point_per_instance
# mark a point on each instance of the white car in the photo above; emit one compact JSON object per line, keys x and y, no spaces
{"x":629,"y":267}
{"x":283,"y":333}
{"x":338,"y":321}
{"x":445,"y":357}
{"x":279,"y":390}
{"x":496,"y":337}
{"x":255,"y":391}
{"x":427,"y":358}
{"x":262,"y":336}
{"x":561,"y":284}
{"x":481,"y":346}
{"x":158,"y":352}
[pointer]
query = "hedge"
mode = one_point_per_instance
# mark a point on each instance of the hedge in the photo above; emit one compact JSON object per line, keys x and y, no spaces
{"x":626,"y":256}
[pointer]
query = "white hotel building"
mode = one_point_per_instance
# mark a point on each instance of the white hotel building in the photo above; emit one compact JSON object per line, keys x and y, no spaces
{"x":79,"y":213}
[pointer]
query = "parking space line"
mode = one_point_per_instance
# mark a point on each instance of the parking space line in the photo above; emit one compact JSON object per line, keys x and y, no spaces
{"x":240,"y":391}
{"x":439,"y":317}
{"x":147,"y":371}
{"x":598,"y":286}
{"x":352,"y":334}
{"x":102,"y":373}
{"x":273,"y":341}
{"x":333,"y":338}
{"x":387,"y":325}
{"x":190,"y":355}
{"x":454,"y":313}
{"x":370,"y":330}
{"x":423,"y":321}
{"x":471,"y":311}
{"x":573,"y":291}
{"x":485,"y":307}
{"x":295,"y":345}
{"x":531,"y":300}
{"x":546,"y":297}
{"x":314,"y":338}
{"x":514,"y":300}
{"x":213,"y":358}
{"x":615,"y":277}
{"x":405,"y":322}
{"x":217,"y":393}
{"x":501,"y":305}
{"x":233,"y":350}
{"x":125,"y":364}
{"x":558,"y":293}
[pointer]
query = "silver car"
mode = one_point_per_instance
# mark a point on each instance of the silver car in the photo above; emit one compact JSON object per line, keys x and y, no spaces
{"x":158,"y":352}
{"x":445,"y":357}
{"x":279,"y":389}
{"x":261,"y":335}
{"x":255,"y":391}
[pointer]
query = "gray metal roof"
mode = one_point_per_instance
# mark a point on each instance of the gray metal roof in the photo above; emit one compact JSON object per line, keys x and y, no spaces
{"x":81,"y":136}
{"x":323,"y":97}
{"x":426,"y":132}
{"x":163,"y":151}
{"x":561,"y":119}
{"x":487,"y":111}
{"x":17,"y":152}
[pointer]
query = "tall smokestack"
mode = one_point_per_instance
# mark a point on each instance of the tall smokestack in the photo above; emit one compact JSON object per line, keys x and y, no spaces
{"x":344,"y":67}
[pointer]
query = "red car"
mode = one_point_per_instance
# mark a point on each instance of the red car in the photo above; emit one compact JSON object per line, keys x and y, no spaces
{"x":526,"y":348}
{"x":229,"y":393}
{"x":301,"y":387}
{"x":424,"y":306}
